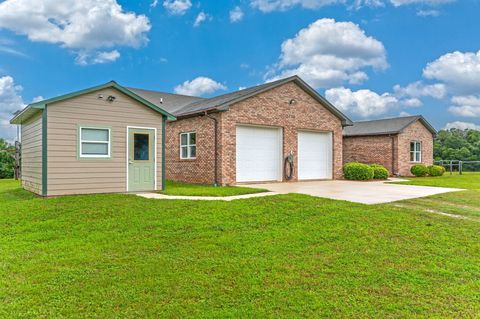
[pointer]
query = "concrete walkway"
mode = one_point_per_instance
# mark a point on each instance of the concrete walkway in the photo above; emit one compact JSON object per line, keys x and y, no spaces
{"x":372,"y":192}
{"x":224,"y":198}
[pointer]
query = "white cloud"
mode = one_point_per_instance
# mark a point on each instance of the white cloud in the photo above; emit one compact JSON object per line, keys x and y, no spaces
{"x":428,"y":13}
{"x":154,"y":4}
{"x":81,"y":26}
{"x":201,"y":17}
{"x":459,"y":70}
{"x":329,"y":53}
{"x":10,"y":102}
{"x":462,"y":126}
{"x":199,"y":86}
{"x":364,"y":103}
{"x":419,"y":89}
{"x":398,"y":3}
{"x":236,"y":14}
{"x":38,"y":99}
{"x":85,"y":58}
{"x":177,"y":7}
{"x":281,"y":5}
{"x":412,"y":102}
{"x":403,"y":114}
{"x":466,"y":106}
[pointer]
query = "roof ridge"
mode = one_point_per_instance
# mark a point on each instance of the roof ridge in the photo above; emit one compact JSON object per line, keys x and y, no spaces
{"x":389,"y":118}
{"x":162,"y":92}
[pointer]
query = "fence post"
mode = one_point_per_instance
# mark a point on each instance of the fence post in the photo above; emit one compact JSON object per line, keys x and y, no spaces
{"x":460,"y":167}
{"x":451,"y":167}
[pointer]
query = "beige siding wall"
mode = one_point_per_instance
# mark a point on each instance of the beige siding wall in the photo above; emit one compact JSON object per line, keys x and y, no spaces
{"x":67,"y":174}
{"x":32,"y":154}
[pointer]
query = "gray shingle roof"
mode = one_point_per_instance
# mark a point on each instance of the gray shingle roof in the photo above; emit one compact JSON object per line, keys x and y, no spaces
{"x":385,"y":126}
{"x":171,"y":102}
{"x":224,"y":101}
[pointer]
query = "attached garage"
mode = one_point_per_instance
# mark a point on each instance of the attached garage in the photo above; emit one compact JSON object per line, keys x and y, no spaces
{"x":258,"y":154}
{"x":314,"y":155}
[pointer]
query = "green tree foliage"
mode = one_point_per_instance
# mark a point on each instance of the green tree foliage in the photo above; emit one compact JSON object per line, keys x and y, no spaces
{"x":455,"y":144}
{"x":6,"y":159}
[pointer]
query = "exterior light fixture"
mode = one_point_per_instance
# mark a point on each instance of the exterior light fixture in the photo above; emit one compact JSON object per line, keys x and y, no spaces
{"x":292,"y":102}
{"x":110,"y":98}
{"x":100,"y":96}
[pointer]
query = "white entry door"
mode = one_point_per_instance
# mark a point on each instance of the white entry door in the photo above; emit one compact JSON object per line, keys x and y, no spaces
{"x":258,"y":154}
{"x":314,"y":155}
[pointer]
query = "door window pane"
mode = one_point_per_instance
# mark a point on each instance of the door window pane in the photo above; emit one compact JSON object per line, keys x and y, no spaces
{"x":141,"y":147}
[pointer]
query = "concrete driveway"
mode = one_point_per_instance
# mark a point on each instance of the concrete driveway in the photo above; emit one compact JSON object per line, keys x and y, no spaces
{"x":375,"y":192}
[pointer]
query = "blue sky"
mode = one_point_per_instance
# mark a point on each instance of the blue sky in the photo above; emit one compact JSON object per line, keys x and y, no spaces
{"x":371,"y":58}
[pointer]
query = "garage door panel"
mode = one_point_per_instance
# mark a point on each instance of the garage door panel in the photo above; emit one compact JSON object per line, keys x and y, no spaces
{"x":314,"y":155}
{"x":258,"y":154}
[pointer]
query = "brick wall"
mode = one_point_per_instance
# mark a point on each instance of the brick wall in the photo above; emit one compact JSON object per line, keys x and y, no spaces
{"x":415,"y":132}
{"x":370,"y":150}
{"x":201,"y":169}
{"x":378,"y":149}
{"x":270,"y":108}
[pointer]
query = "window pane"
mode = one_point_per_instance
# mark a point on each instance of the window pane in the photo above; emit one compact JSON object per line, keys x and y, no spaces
{"x":193,"y":151}
{"x":94,"y":149}
{"x":183,"y":138}
{"x":90,"y":134}
{"x":412,"y":146}
{"x":412,"y":157}
{"x":141,"y":147}
{"x":418,"y":146}
{"x":184,"y":152}
{"x":417,"y":156}
{"x":193,"y":138}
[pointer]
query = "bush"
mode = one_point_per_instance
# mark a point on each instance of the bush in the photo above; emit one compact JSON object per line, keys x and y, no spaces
{"x":379,"y":171}
{"x":436,"y":170}
{"x":419,"y":170}
{"x":357,"y":171}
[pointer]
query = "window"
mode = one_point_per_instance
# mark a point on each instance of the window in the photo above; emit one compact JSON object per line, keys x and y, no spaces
{"x":188,"y":145}
{"x":141,"y":147}
{"x":94,"y":142}
{"x":415,"y":151}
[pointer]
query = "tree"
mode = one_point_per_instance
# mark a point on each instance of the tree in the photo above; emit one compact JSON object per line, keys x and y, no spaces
{"x":6,"y":159}
{"x":455,"y":144}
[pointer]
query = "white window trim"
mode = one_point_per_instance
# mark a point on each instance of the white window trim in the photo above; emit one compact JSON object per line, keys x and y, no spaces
{"x":81,"y":141}
{"x":188,"y":145}
{"x":415,"y":152}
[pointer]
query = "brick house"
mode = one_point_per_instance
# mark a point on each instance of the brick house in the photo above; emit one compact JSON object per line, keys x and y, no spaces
{"x":396,"y":143}
{"x":247,"y":135}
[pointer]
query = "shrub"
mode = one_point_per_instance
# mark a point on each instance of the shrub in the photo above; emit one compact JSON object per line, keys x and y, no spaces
{"x":357,"y":171}
{"x":379,"y":171}
{"x":419,"y":170}
{"x":436,"y":170}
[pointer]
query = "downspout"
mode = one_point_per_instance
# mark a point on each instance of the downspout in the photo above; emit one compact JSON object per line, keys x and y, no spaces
{"x":164,"y":124}
{"x":393,"y":155}
{"x":215,"y":121}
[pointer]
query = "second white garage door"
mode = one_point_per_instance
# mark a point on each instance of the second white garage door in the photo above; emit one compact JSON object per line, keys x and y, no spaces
{"x":314,"y":155}
{"x":259,"y":154}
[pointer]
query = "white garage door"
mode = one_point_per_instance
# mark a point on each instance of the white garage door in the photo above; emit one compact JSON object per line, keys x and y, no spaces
{"x":314,"y":155}
{"x":259,"y":154}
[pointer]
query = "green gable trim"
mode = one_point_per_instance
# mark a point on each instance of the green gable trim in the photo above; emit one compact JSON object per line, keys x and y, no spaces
{"x":18,"y":119}
{"x":164,"y":124}
{"x":44,"y":153}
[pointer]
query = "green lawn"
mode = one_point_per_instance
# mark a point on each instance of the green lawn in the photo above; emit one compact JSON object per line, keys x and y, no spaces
{"x":184,"y":189}
{"x":123,"y":256}
{"x":466,"y":181}
{"x":465,"y":203}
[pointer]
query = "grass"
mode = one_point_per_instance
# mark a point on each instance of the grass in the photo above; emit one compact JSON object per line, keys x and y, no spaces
{"x":466,"y":181}
{"x":185,"y":189}
{"x":465,"y":203}
{"x":123,"y":256}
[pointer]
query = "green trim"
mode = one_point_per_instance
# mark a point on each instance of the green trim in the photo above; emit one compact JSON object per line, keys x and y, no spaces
{"x":112,"y":84}
{"x":164,"y":124}
{"x":95,"y":126}
{"x":44,"y":153}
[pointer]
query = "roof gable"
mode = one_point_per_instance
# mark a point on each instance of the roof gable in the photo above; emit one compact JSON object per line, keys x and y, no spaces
{"x":33,"y":108}
{"x":223,"y":102}
{"x":389,"y":126}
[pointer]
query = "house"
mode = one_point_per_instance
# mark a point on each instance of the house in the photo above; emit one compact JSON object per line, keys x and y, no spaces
{"x":396,"y":143}
{"x":245,"y":136}
{"x":99,"y":140}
